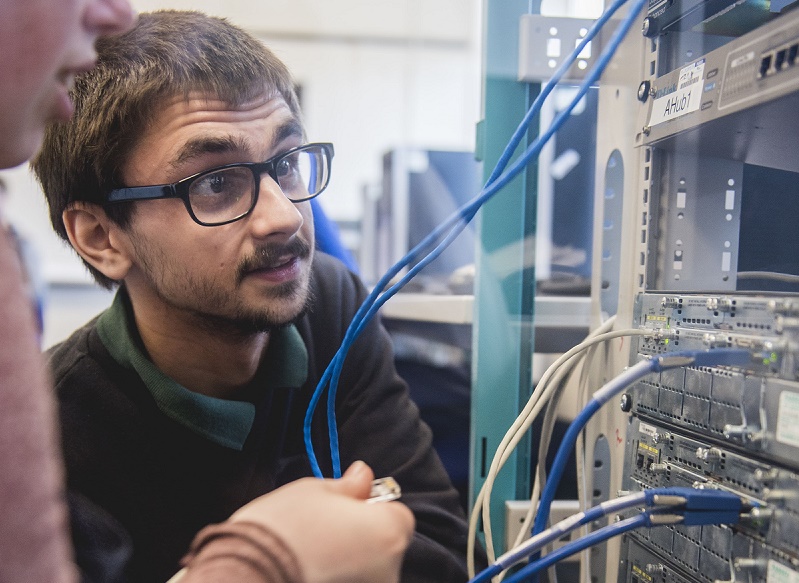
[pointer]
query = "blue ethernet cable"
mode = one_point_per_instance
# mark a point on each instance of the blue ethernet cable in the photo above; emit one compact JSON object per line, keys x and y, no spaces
{"x":715,"y":357}
{"x":594,"y":538}
{"x":563,"y":527}
{"x":460,"y":219}
{"x":534,"y":110}
{"x":701,"y":507}
{"x":464,"y":215}
{"x":371,"y":304}
{"x":697,"y":506}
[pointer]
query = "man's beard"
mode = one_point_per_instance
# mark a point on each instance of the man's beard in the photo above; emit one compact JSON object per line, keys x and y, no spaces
{"x":247,"y":323}
{"x":237,"y":320}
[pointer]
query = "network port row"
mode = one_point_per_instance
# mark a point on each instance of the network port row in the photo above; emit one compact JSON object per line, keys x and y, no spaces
{"x":778,"y":60}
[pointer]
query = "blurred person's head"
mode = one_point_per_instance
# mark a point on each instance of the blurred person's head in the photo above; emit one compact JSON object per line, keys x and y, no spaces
{"x":3,"y":198}
{"x":44,"y":44}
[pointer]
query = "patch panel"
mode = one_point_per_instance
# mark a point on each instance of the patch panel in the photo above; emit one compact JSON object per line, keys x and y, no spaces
{"x":753,"y":78}
{"x":697,"y":322}
{"x":753,"y":409}
{"x":723,"y":428}
{"x":777,"y":60}
{"x":752,"y":413}
{"x":754,"y":562}
{"x":660,"y":457}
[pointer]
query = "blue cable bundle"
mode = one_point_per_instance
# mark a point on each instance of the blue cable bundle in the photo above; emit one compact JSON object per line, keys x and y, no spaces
{"x":686,"y":506}
{"x":452,"y":227}
{"x":721,"y":356}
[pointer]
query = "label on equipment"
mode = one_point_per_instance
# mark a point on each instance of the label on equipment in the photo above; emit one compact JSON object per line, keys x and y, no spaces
{"x":778,"y":573}
{"x":681,"y":98}
{"x":788,"y":420}
{"x":647,"y":429}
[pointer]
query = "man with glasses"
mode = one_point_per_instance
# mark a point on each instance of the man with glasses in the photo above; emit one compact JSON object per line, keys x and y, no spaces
{"x":184,"y":178}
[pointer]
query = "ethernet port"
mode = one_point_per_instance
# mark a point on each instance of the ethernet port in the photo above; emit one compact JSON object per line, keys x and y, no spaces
{"x":779,"y":59}
{"x":793,"y":51}
{"x":639,"y":461}
{"x":765,"y":65}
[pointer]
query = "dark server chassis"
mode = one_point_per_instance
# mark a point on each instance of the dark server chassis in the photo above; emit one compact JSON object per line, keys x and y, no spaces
{"x":723,"y":428}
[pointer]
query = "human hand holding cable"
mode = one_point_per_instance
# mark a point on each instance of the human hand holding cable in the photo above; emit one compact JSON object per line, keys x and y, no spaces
{"x":325,"y":531}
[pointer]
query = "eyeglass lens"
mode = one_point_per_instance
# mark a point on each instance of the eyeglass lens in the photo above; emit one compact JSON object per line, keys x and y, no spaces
{"x":228,"y":193}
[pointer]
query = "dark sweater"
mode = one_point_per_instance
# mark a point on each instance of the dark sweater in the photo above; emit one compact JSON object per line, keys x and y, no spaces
{"x":165,"y":481}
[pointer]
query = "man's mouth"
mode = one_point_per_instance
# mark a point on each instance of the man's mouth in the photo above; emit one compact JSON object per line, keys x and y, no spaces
{"x":281,"y":263}
{"x":282,"y":271}
{"x":276,"y":262}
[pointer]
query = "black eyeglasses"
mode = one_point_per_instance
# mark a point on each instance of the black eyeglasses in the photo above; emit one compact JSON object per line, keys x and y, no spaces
{"x":229,"y":193}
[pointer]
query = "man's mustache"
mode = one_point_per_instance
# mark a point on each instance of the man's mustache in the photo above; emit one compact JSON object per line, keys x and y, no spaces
{"x":268,"y":255}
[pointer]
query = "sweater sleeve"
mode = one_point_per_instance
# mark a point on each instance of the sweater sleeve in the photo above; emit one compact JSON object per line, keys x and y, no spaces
{"x":244,"y":552}
{"x":34,"y":543}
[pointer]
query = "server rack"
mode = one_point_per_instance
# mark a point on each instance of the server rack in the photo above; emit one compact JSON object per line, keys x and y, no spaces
{"x":696,"y":240}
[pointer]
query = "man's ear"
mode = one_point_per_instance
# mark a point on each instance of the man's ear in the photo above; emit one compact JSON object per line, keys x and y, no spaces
{"x":97,"y":239}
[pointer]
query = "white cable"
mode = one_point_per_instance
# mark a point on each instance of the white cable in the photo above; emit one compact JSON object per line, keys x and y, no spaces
{"x":517,"y":430}
{"x":580,"y":449}
{"x":540,"y":475}
{"x":540,"y":469}
{"x":529,"y":415}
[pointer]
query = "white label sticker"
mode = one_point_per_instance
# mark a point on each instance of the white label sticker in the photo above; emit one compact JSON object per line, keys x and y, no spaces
{"x":742,"y":60}
{"x":680,"y":99}
{"x":647,"y":429}
{"x":726,"y":260}
{"x":788,"y":419}
{"x":778,"y":573}
{"x":729,"y":200}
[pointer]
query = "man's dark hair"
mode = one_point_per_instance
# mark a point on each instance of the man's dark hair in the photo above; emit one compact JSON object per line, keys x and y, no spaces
{"x":168,"y":54}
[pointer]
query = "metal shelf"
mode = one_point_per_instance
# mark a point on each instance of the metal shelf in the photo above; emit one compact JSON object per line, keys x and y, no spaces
{"x":560,"y":321}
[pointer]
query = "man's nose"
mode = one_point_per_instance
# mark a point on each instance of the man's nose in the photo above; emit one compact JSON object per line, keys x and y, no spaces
{"x":274,"y":213}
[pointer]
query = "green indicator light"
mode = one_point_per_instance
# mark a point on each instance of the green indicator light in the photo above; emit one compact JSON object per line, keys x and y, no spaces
{"x":766,"y":361}
{"x":666,"y":341}
{"x":773,"y":356}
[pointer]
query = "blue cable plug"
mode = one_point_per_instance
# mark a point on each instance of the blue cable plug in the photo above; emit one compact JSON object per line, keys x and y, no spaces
{"x":715,"y":357}
{"x":702,"y":506}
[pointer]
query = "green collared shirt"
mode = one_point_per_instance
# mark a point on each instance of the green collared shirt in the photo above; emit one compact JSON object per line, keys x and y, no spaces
{"x":222,"y":421}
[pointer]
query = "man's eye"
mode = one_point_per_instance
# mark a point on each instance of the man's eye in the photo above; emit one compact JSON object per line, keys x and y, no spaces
{"x":210,"y":185}
{"x":216,"y":183}
{"x":227,"y":182}
{"x":287,"y":166}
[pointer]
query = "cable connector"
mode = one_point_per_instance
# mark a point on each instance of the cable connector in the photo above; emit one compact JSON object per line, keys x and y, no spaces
{"x":695,"y":498}
{"x":663,"y":519}
{"x":700,"y":506}
{"x":661,"y":334}
{"x":728,"y":357}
